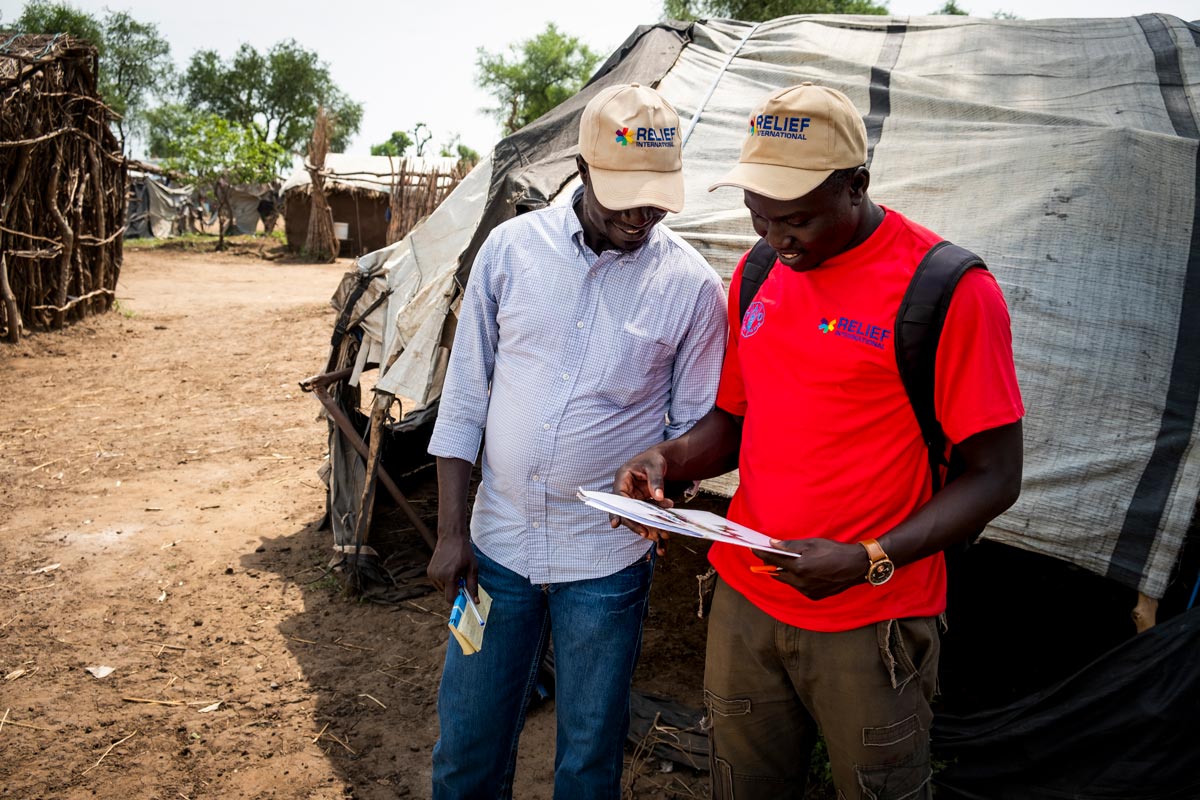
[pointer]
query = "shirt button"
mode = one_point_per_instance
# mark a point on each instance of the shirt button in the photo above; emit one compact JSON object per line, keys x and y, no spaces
{"x":566,"y":377}
{"x":546,"y":426}
{"x":579,"y":324}
{"x":535,"y":477}
{"x":535,"y":524}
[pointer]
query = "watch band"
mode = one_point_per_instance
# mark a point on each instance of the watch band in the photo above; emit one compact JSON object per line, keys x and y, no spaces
{"x":875,"y":551}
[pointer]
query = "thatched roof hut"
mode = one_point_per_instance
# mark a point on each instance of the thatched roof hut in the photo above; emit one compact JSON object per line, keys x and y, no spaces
{"x":359,"y":191}
{"x":62,"y":185}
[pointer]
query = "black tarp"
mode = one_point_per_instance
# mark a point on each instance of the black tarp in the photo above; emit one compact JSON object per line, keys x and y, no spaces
{"x":1123,"y":728}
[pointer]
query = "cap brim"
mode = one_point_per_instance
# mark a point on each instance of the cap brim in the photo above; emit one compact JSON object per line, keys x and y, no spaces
{"x":773,"y":181}
{"x":618,"y":190}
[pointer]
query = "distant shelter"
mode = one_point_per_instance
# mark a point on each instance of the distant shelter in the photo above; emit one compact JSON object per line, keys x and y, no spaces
{"x":375,"y":200}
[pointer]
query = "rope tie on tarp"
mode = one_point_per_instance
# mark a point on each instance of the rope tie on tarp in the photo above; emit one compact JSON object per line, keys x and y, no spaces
{"x":716,"y":80}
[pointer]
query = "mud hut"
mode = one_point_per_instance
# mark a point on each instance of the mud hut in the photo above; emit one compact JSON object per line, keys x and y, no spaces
{"x":62,"y":185}
{"x":366,"y":194}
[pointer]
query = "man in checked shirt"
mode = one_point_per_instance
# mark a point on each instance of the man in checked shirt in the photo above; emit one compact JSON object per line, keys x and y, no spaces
{"x":587,"y":333}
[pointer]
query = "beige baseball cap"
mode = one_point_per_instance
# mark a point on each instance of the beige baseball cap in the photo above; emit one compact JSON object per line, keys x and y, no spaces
{"x":629,"y":137}
{"x":798,"y":136}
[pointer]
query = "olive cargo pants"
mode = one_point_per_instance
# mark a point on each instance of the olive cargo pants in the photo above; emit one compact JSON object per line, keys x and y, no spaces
{"x":771,"y":688}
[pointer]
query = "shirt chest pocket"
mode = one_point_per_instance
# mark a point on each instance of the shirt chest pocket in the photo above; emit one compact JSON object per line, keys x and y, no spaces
{"x":637,"y":367}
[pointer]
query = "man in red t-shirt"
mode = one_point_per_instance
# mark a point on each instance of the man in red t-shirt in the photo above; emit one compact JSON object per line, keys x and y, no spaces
{"x":843,"y":639}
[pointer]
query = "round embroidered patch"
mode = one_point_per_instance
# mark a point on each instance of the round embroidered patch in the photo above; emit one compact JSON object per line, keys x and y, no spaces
{"x":753,"y":320}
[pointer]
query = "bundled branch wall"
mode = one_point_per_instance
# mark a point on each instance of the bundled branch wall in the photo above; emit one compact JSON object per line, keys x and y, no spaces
{"x":62,"y":185}
{"x":415,"y":195}
{"x":322,"y":242}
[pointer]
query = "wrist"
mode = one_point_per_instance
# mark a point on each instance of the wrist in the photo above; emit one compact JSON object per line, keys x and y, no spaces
{"x":879,"y":567}
{"x":455,"y":533}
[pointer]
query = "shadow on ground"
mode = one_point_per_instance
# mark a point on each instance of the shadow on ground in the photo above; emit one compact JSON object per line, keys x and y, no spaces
{"x":370,"y":672}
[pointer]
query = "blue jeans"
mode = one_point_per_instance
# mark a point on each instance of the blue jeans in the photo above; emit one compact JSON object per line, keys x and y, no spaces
{"x":597,"y":629}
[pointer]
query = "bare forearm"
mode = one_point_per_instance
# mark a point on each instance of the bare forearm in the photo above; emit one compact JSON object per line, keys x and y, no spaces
{"x":990,"y":485}
{"x":453,"y":562}
{"x":454,"y":477}
{"x":709,"y":449}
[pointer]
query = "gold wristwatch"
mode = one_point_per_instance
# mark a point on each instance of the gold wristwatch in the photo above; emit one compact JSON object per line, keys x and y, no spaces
{"x":881,"y":569}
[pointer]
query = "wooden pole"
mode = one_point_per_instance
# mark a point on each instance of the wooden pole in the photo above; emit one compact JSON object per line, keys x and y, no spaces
{"x":319,"y":390}
{"x":68,"y":238}
{"x":12,"y":315}
{"x":1145,"y":613}
{"x":366,"y":502}
{"x":12,"y":312}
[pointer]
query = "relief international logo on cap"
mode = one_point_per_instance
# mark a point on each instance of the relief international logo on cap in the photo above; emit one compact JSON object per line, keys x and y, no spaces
{"x":798,"y":136}
{"x":629,"y":137}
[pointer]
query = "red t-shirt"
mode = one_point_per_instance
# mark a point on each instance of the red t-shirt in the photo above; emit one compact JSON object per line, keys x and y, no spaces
{"x":830,"y":446}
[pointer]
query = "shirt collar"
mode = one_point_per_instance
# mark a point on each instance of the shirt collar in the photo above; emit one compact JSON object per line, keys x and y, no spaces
{"x":573,"y":225}
{"x":574,"y":229}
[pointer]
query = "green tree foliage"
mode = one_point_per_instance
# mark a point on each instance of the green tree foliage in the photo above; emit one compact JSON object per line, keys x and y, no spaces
{"x":760,"y":10}
{"x":221,"y":154}
{"x":535,"y":76}
{"x":466,"y":155}
{"x":275,"y":94}
{"x":166,"y":126}
{"x":40,"y":16}
{"x":394,"y":146}
{"x":135,"y":61}
{"x":454,"y":148}
{"x":952,"y":9}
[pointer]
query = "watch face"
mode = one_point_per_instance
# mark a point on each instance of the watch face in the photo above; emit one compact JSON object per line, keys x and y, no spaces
{"x":880,"y":572}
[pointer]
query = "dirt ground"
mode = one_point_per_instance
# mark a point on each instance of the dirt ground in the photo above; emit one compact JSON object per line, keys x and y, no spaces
{"x":159,"y":504}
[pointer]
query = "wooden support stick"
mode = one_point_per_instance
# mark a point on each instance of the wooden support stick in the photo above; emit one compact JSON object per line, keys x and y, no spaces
{"x":366,"y":502}
{"x":1145,"y":613}
{"x":352,"y":436}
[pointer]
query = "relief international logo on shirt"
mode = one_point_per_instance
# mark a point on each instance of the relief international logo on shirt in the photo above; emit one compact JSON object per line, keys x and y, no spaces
{"x":646,"y":137}
{"x":855,"y":330}
{"x":779,"y":127}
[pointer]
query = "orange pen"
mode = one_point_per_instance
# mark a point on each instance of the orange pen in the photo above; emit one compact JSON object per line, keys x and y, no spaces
{"x":765,"y":569}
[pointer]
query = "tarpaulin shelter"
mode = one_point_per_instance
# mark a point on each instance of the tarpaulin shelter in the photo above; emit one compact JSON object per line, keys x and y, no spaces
{"x":253,"y":203}
{"x":157,"y":209}
{"x":1063,"y":151}
{"x":161,"y":210}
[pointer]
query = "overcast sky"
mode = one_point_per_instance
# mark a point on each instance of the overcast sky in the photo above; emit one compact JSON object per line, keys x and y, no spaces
{"x":410,"y":62}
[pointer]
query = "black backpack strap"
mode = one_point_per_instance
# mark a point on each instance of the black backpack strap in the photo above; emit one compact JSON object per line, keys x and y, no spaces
{"x":919,"y":328}
{"x":758,"y":266}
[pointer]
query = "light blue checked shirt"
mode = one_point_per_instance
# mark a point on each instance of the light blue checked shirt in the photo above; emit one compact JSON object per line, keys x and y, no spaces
{"x":590,"y":360}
